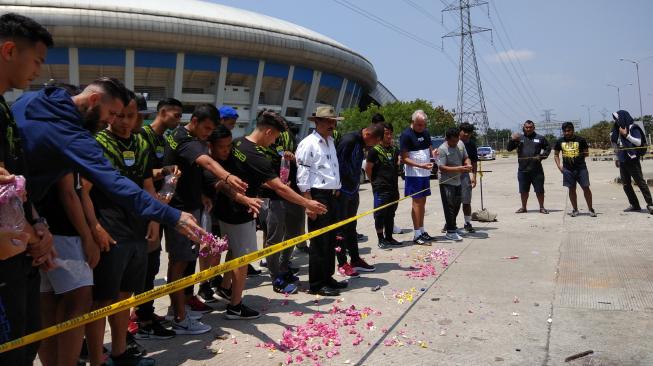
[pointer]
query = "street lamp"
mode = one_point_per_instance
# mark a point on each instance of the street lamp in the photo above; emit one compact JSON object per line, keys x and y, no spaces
{"x":618,"y":91}
{"x":639,"y":86}
{"x":589,"y":115}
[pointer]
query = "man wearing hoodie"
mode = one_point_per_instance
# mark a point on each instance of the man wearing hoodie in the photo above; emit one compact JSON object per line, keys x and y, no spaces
{"x":532,"y":148}
{"x":23,"y":47}
{"x":630,"y":141}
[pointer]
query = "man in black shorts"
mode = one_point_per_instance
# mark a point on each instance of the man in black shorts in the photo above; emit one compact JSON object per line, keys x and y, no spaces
{"x":121,"y":234}
{"x":574,"y":170}
{"x":532,"y":148}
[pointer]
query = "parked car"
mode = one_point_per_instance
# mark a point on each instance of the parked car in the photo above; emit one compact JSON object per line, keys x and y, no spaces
{"x":486,"y":153}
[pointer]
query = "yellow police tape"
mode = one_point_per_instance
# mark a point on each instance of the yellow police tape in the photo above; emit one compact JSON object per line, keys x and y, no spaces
{"x":182,"y":283}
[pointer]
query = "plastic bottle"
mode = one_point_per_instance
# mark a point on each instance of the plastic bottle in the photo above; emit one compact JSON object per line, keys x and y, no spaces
{"x":12,"y":215}
{"x":284,"y":170}
{"x":169,"y":186}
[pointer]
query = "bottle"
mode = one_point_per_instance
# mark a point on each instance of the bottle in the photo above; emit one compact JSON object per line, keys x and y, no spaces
{"x":12,"y":214}
{"x":169,"y":185}
{"x":284,"y":170}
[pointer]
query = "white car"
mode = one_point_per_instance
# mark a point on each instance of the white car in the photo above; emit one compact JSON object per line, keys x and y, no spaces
{"x":486,"y":153}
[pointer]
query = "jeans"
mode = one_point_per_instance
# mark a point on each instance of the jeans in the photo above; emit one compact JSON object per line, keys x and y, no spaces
{"x":282,"y":221}
{"x":348,"y":207}
{"x":633,"y":168}
{"x":385,"y":219}
{"x":451,"y":201}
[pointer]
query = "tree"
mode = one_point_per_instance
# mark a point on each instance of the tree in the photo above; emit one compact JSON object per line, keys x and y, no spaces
{"x":399,"y":114}
{"x":598,"y":136}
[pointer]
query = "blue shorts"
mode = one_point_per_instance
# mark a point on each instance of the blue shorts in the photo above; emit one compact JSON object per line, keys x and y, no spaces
{"x":571,"y":177}
{"x":416,"y":184}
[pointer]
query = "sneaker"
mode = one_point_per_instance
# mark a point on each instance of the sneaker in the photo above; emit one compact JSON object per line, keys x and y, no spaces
{"x":294,"y":270}
{"x":303,"y":249}
{"x":252,"y":272}
{"x":632,"y":208}
{"x":650,"y":209}
{"x":347,"y":270}
{"x":362,"y":266}
{"x":592,"y":213}
{"x":427,"y":237}
{"x":393,"y":242}
{"x":453,"y":236}
{"x":154,"y":330}
{"x":206,"y":293}
{"x":263,"y":263}
{"x":361,"y":238}
{"x":279,"y":285}
{"x":196,"y":305}
{"x":224,"y":293}
{"x":383,"y":244}
{"x":129,"y":359}
{"x":574,"y":213}
{"x":469,"y":228}
{"x":216,"y":282}
{"x":240,"y":311}
{"x":189,"y":314}
{"x":134,"y":347}
{"x":290,"y":277}
{"x":444,"y":229}
{"x":420,"y":241}
{"x":190,"y":326}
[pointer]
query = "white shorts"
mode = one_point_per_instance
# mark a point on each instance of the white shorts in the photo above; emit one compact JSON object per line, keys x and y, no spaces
{"x":72,"y":271}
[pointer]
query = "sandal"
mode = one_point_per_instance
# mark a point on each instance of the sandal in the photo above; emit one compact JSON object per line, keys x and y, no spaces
{"x":521,"y":210}
{"x":544,"y":211}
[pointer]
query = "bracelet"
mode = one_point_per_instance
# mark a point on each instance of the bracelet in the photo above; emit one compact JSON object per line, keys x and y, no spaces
{"x":225,"y":180}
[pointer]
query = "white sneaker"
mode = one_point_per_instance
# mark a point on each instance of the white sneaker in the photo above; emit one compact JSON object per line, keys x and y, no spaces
{"x":195,"y":315}
{"x":190,"y":326}
{"x":453,"y":236}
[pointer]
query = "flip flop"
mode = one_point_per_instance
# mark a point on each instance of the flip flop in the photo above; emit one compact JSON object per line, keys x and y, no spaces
{"x":521,"y":210}
{"x":544,"y":211}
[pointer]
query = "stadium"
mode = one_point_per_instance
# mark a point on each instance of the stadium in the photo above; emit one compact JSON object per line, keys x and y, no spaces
{"x":201,"y":52}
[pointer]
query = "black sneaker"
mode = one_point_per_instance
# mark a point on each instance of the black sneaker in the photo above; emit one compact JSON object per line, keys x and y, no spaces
{"x":252,"y":272}
{"x":154,"y":330}
{"x":133,"y":347}
{"x":650,"y":209}
{"x":427,"y":237}
{"x":224,"y":293}
{"x":592,"y":213}
{"x":206,"y":292}
{"x":240,"y":311}
{"x":383,"y":244}
{"x":129,"y":359}
{"x":393,"y":242}
{"x":632,"y":208}
{"x":216,"y":282}
{"x":303,"y":249}
{"x":361,"y":238}
{"x":469,"y":228}
{"x":420,"y":241}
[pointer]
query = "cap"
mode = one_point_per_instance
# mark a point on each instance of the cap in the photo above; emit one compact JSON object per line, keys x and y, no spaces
{"x":228,"y":112}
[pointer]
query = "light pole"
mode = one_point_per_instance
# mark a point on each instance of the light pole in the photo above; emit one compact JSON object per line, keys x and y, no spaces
{"x":639,"y":86}
{"x":618,"y":91}
{"x":589,"y":115}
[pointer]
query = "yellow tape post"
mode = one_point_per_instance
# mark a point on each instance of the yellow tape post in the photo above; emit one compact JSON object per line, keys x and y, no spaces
{"x":182,"y":283}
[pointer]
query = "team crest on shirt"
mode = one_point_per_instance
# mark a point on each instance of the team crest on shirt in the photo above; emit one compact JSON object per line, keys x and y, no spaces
{"x":128,"y":157}
{"x":159,"y":152}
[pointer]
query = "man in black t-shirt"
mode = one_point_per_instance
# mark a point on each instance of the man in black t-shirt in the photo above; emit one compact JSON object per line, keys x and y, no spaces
{"x":381,"y":167}
{"x":187,"y":149}
{"x":250,"y":163}
{"x":121,"y":234}
{"x":574,"y":170}
{"x":23,"y":48}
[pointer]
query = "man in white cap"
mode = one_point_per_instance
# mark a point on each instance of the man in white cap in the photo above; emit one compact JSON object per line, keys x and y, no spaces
{"x":318,"y":178}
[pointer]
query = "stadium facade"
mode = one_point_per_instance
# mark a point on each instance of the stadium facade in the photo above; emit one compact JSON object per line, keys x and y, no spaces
{"x":201,"y":52}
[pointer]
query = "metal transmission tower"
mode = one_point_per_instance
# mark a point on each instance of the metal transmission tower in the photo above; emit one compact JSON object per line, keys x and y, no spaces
{"x":471,"y":103}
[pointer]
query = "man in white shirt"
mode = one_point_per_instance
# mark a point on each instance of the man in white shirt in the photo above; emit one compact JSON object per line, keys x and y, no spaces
{"x":318,"y":178}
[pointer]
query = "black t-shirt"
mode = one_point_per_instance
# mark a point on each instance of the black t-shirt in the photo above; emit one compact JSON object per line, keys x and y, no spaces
{"x":157,"y":145}
{"x":11,"y":150}
{"x":131,"y":158}
{"x":285,"y":142}
{"x":472,"y":151}
{"x":252,"y":165}
{"x":51,"y":207}
{"x":182,"y":150}
{"x":573,"y":157}
{"x":384,"y":171}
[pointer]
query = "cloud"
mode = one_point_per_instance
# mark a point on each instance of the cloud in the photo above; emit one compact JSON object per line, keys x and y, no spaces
{"x":521,"y":55}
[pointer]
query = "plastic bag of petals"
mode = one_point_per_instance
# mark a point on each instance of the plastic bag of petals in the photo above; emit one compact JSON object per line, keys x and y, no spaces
{"x":12,"y":195}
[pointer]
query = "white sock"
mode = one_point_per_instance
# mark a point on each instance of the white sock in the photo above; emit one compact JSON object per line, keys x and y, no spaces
{"x":418,"y":233}
{"x":422,"y":229}
{"x":468,"y":219}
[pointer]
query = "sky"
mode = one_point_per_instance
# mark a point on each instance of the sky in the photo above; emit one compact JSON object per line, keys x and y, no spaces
{"x":551,"y":54}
